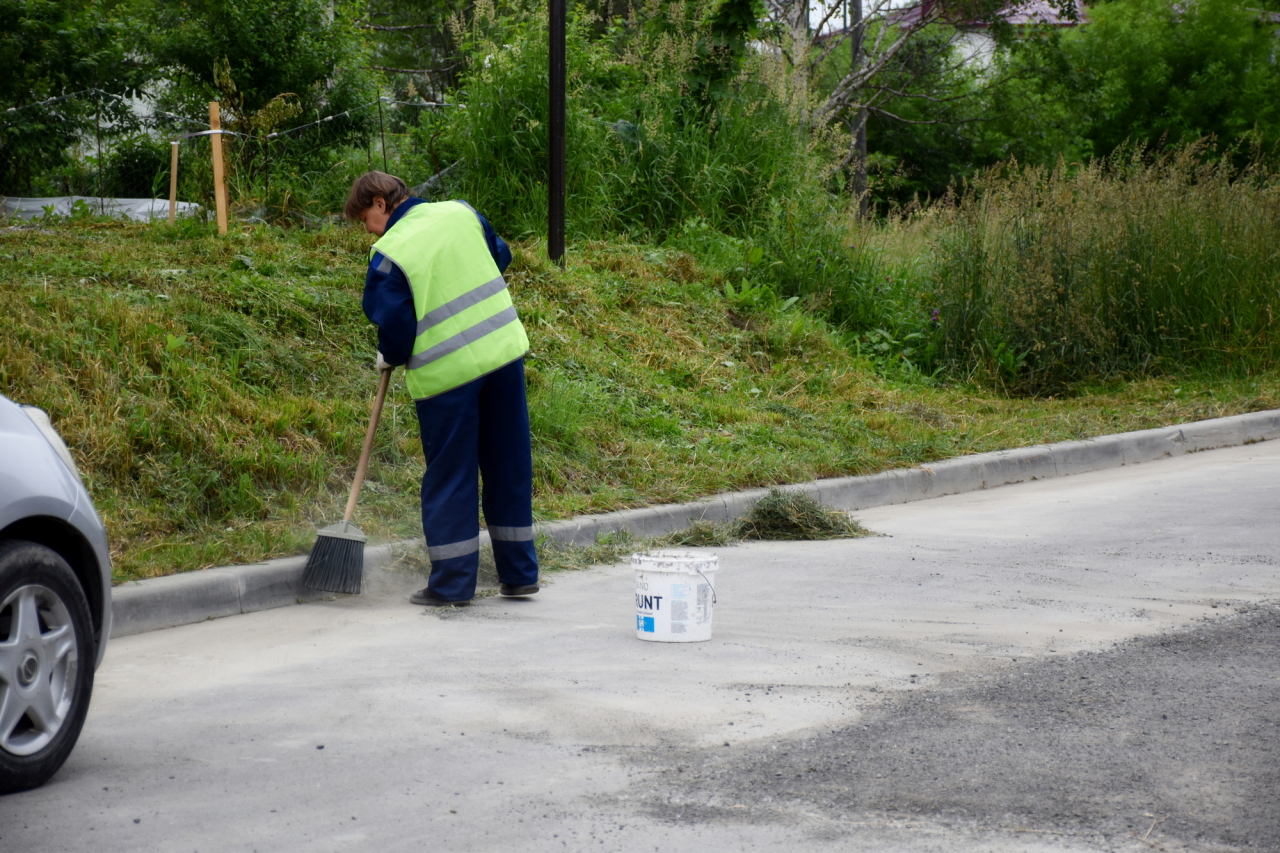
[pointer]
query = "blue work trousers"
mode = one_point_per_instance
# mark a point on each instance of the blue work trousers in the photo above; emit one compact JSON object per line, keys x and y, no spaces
{"x":479,"y":428}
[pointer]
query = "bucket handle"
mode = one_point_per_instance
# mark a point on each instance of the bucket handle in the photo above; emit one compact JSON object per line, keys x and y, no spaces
{"x":708,"y":580}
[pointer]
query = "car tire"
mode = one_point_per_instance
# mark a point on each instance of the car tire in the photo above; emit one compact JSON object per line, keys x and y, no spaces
{"x":47,"y":655}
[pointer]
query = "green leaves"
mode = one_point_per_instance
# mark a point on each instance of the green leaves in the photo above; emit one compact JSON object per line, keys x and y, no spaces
{"x":1155,"y":73}
{"x":52,"y":49}
{"x":652,"y":147}
{"x":253,"y":52}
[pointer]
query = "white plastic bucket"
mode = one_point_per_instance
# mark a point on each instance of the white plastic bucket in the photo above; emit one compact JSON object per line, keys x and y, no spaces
{"x":675,"y":595}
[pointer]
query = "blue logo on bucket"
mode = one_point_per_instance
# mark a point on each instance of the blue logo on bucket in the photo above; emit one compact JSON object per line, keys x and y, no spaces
{"x":645,"y":624}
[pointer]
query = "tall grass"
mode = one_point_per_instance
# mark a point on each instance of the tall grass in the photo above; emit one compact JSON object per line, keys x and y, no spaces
{"x":1133,"y":264}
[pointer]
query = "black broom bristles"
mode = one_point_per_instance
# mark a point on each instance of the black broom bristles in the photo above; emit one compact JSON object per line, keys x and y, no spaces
{"x":336,"y":562}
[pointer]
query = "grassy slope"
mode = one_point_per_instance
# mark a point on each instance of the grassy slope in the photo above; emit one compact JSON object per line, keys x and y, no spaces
{"x":215,"y":390}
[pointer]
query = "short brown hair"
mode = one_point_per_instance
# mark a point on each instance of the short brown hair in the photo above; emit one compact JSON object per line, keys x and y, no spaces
{"x":371,"y":185}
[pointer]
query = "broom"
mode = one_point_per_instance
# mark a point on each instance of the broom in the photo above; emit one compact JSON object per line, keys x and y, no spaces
{"x":336,"y":562}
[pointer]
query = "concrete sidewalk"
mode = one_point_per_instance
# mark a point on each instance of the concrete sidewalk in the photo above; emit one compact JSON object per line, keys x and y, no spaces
{"x":364,"y":723}
{"x":196,"y":596}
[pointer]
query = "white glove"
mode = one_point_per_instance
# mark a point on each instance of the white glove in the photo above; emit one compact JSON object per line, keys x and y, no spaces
{"x":381,"y":363}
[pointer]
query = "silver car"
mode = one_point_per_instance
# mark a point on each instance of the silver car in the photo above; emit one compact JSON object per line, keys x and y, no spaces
{"x":55,"y":598}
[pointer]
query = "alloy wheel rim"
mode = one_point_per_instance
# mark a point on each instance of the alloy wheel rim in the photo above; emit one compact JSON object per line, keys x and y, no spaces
{"x":38,"y":664}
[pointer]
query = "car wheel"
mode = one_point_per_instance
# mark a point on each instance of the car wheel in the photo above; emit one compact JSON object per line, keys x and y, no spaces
{"x":46,"y":663}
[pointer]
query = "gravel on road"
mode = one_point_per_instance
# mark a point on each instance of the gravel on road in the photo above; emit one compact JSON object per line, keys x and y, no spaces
{"x":1172,"y":741}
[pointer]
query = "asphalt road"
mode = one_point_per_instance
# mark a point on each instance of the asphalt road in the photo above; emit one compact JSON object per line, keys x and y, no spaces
{"x":1086,"y":663}
{"x":1178,"y":733}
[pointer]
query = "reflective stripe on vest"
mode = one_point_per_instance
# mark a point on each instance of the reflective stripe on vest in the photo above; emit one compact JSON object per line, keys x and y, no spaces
{"x":466,"y":324}
{"x":466,"y":300}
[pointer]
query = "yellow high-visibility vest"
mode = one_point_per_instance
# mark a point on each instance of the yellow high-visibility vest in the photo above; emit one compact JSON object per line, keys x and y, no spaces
{"x":467,"y":326}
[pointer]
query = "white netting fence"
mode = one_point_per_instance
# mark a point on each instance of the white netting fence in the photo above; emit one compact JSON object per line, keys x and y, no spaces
{"x":116,"y":151}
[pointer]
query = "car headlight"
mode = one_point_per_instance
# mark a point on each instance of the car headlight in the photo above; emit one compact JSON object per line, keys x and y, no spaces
{"x":40,"y":418}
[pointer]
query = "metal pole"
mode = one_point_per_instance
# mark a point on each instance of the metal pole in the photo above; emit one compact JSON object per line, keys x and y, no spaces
{"x":555,"y":133}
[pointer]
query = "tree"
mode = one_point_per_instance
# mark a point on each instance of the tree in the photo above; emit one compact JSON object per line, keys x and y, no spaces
{"x":1152,"y":72}
{"x":67,"y":68}
{"x":922,"y":128}
{"x":415,"y":43}
{"x":250,"y":52}
{"x":894,"y":63}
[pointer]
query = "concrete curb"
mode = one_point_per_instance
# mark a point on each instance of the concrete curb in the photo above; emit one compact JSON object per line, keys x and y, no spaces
{"x":140,"y":606}
{"x":195,"y":596}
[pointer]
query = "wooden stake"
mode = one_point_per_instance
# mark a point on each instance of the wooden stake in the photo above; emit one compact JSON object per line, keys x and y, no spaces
{"x":219,"y":180}
{"x":173,"y":181}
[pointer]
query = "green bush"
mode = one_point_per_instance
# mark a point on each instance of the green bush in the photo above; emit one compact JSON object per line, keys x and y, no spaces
{"x":1145,"y":72}
{"x":294,"y":82}
{"x":136,"y":167}
{"x":1151,"y":72}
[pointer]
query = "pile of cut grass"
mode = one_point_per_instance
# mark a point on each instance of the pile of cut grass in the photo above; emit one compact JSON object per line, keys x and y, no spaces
{"x":781,"y":515}
{"x":794,"y":516}
{"x":215,"y":390}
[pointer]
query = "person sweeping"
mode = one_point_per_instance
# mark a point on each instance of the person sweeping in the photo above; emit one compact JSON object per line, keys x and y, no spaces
{"x":435,"y":291}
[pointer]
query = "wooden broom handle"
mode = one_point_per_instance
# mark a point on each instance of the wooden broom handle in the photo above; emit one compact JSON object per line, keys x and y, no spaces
{"x":368,"y":444}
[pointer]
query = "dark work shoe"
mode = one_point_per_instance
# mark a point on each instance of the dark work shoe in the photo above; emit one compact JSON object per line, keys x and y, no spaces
{"x":430,"y":599}
{"x":510,"y":590}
